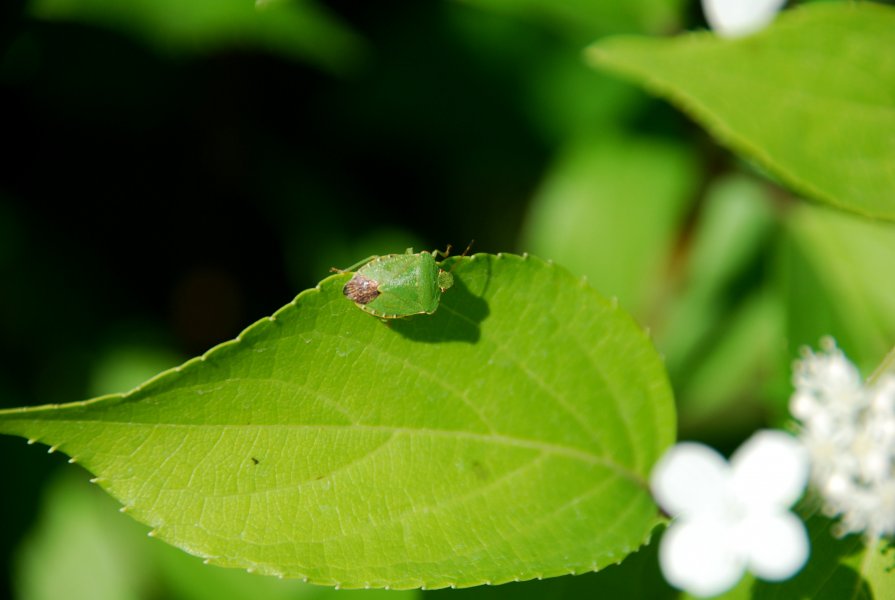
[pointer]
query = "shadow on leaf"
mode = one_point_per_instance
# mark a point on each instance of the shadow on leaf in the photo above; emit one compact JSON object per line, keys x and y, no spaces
{"x":458,"y":318}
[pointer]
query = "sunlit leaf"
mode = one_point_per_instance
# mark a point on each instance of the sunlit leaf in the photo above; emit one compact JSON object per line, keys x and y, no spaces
{"x":812,"y":97}
{"x":636,"y":578}
{"x":507,"y":436}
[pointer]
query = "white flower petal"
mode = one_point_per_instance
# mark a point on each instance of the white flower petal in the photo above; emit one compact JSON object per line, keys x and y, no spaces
{"x":690,"y":478}
{"x":697,"y":556}
{"x":732,"y":18}
{"x":769,"y":470}
{"x":776,"y":544}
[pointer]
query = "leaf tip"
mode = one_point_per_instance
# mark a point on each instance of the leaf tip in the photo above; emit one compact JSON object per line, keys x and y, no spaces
{"x":32,"y":441}
{"x":152,"y":533}
{"x":72,"y":460}
{"x":52,"y":449}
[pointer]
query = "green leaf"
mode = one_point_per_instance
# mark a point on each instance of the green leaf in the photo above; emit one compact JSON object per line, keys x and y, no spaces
{"x":720,"y":333}
{"x":577,"y":217}
{"x":294,"y":28}
{"x":636,"y":578}
{"x":583,"y":19}
{"x":84,"y":547}
{"x":96,"y":553}
{"x":834,"y":270}
{"x":507,"y":436}
{"x":812,"y":97}
{"x":839,"y":569}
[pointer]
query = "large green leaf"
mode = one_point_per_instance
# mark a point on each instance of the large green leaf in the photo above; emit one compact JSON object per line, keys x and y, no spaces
{"x":507,"y":436}
{"x":811,"y":97}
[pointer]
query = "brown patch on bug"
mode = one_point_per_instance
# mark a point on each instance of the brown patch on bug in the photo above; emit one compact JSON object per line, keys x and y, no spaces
{"x":360,"y":289}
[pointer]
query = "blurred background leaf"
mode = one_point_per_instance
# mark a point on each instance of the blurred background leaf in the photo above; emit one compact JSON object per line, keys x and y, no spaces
{"x":833,"y":267}
{"x":810,"y":97}
{"x":582,"y":20}
{"x":294,"y":28}
{"x":598,"y":184}
{"x":82,"y":548}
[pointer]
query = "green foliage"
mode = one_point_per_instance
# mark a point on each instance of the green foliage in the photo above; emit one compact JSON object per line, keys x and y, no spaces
{"x":584,"y":19}
{"x":839,"y":569}
{"x":636,"y":577}
{"x":510,"y":434}
{"x":575,"y":217}
{"x":507,"y":436}
{"x":810,"y":98}
{"x":295,"y":28}
{"x":95,"y":553}
{"x":831,"y":266}
{"x":719,"y":332}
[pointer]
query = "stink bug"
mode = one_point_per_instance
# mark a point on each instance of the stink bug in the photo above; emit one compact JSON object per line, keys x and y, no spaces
{"x":398,"y":285}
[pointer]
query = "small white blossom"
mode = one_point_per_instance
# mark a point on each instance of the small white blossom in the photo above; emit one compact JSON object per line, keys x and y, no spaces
{"x":735,"y":18}
{"x":731,"y":517}
{"x":848,"y":429}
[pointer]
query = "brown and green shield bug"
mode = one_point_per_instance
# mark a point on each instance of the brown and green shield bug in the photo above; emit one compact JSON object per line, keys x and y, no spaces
{"x":393,"y":286}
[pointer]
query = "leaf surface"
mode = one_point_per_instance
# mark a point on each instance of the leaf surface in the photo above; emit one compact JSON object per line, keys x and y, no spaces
{"x":507,"y":436}
{"x":812,"y":97}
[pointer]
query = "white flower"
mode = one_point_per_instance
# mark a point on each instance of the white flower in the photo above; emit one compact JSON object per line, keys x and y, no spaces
{"x":735,"y":18}
{"x":848,"y":429}
{"x":729,"y":518}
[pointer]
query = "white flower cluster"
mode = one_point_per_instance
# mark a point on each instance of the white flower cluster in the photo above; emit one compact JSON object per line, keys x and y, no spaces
{"x":848,"y":429}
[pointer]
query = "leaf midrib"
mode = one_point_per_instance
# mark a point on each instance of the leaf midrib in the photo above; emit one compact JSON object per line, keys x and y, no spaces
{"x":501,"y":439}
